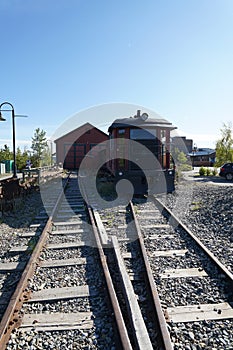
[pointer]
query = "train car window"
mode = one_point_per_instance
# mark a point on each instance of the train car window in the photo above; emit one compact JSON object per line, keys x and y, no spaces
{"x":142,"y":134}
{"x":121,"y":131}
{"x":163,"y":135}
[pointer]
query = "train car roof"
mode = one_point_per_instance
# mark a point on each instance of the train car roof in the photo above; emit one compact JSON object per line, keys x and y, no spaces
{"x":140,"y":123}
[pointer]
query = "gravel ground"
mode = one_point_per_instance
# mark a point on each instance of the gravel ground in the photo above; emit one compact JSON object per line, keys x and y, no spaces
{"x":205,"y":207}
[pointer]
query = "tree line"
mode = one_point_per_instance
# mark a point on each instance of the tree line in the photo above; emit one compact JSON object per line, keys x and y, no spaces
{"x":39,"y":155}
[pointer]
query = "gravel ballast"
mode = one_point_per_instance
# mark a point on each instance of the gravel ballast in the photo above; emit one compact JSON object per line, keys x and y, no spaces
{"x":204,"y":207}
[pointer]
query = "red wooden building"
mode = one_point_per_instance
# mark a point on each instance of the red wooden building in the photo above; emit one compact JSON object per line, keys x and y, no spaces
{"x":72,"y":147}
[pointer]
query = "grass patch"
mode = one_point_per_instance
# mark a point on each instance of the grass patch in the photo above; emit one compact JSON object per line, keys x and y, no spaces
{"x":196,"y":206}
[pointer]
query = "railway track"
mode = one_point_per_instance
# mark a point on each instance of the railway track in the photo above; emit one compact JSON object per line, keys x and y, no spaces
{"x":194,"y":287}
{"x":59,"y":298}
{"x":72,"y":283}
{"x":134,"y":287}
{"x":129,"y":278}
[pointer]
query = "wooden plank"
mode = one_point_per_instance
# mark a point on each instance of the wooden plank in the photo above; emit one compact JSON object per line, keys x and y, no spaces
{"x":74,"y":199}
{"x":67,"y":232}
{"x":177,"y":273}
{"x":62,"y":293}
{"x":121,"y":227}
{"x":154,"y":211}
{"x":159,"y":236}
{"x":65,"y":245}
{"x":70,"y":209}
{"x":192,"y":313}
{"x":29,"y":234}
{"x":72,"y":206}
{"x":57,"y":321}
{"x":11,"y":266}
{"x":19,"y":249}
{"x":68,"y":223}
{"x":124,"y":240}
{"x":35,"y":225}
{"x":127,"y":255}
{"x":165,"y":226}
{"x":62,"y":215}
{"x":63,"y":262}
{"x":170,"y":253}
{"x":155,"y":226}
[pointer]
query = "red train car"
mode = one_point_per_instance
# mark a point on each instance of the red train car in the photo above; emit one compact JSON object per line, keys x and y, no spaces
{"x":140,"y":152}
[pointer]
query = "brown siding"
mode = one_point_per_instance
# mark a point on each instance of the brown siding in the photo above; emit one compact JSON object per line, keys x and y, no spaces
{"x":72,"y":147}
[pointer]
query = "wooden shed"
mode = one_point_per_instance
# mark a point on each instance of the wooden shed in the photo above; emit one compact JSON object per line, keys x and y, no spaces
{"x":72,"y":147}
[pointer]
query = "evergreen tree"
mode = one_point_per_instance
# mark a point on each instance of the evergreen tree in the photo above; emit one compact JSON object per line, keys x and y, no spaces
{"x":21,"y":158}
{"x":39,"y":146}
{"x":5,"y":153}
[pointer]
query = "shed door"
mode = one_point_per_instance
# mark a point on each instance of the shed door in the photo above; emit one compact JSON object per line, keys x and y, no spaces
{"x":74,"y":155}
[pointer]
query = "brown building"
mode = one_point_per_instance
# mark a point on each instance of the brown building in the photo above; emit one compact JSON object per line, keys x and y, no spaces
{"x":72,"y":147}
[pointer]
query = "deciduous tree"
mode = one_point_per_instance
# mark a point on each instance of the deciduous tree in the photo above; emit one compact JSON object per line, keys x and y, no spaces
{"x":224,"y":146}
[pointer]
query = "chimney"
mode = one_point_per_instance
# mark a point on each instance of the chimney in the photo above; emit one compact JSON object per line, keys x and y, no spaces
{"x":138,"y":114}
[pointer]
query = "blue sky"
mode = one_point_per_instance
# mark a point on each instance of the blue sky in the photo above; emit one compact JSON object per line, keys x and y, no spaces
{"x":59,"y":57}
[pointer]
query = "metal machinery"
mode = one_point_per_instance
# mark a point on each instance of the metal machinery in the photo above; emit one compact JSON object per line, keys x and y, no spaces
{"x":140,"y":152}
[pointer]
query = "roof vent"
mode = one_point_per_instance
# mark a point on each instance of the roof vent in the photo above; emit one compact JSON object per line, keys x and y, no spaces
{"x":138,"y":114}
{"x":144,"y":116}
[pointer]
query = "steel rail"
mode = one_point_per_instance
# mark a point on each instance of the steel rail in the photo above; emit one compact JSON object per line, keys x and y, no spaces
{"x":11,"y":318}
{"x":125,"y":341}
{"x":140,"y":332}
{"x":165,"y":337}
{"x":176,"y":222}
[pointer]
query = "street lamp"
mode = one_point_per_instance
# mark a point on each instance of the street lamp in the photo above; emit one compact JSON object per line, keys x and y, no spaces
{"x":13,"y":126}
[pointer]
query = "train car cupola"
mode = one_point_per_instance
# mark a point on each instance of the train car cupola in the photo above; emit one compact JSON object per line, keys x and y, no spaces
{"x":141,"y":121}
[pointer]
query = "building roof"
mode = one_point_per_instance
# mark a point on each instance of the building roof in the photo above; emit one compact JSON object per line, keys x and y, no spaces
{"x":202,"y":152}
{"x":81,"y":130}
{"x":139,"y":122}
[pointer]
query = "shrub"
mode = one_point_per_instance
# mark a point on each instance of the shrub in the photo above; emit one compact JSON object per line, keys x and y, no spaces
{"x":202,"y":171}
{"x":185,"y":167}
{"x":208,"y":172}
{"x":214,"y":172}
